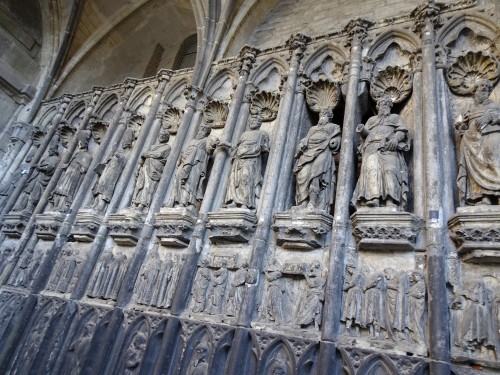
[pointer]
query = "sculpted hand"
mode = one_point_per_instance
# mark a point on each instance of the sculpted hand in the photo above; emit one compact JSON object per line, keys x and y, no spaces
{"x":392,"y":144}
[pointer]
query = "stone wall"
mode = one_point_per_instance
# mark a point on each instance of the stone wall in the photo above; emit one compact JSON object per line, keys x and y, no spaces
{"x":298,"y":214}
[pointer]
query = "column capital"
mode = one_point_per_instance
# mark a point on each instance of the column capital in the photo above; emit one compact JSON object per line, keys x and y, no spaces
{"x":356,"y":30}
{"x":297,"y":44}
{"x":427,"y":16}
{"x":247,"y":57}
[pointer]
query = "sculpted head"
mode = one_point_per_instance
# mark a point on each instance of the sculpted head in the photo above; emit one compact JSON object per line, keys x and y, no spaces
{"x":325,"y":116}
{"x":164,"y":136}
{"x":83,"y":139}
{"x":255,"y":123}
{"x":384,"y":105}
{"x":204,"y":131}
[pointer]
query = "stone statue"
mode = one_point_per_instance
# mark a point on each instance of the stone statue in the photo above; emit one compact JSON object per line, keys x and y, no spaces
{"x":174,"y":279}
{"x":216,"y":298}
{"x":98,"y":280}
{"x":311,"y":308}
{"x":201,"y":284}
{"x":68,"y":184}
{"x":314,"y":165}
{"x":110,"y":171}
{"x":38,"y":181}
{"x":134,"y":354}
{"x":416,"y":306}
{"x":77,"y":350}
{"x":383,"y":179}
{"x":237,"y":289}
{"x":479,"y":166}
{"x":353,"y":300}
{"x":276,"y":308}
{"x":245,"y":180}
{"x":148,"y":279}
{"x":164,"y":279}
{"x":150,"y":170}
{"x":192,"y":168}
{"x":114,"y":277}
{"x":397,"y":301}
{"x":199,"y":365}
{"x":375,"y":314}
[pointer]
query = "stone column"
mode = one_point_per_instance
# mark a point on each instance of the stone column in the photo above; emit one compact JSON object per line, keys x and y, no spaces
{"x":356,"y":31}
{"x":36,"y":159}
{"x":427,"y":17}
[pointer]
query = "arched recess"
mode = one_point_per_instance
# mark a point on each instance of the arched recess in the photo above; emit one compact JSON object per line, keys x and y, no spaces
{"x":221,"y":85}
{"x":75,"y":113}
{"x":377,"y":364}
{"x":218,"y":361}
{"x":253,"y":357}
{"x":45,"y":119}
{"x":327,"y":60}
{"x":107,"y":107}
{"x":9,"y":306}
{"x":407,"y":41}
{"x":175,"y":94}
{"x":133,"y":347}
{"x":153,"y":349}
{"x":141,"y":101}
{"x":269,"y":75}
{"x":306,"y":364}
{"x":199,"y":345}
{"x":278,"y":354}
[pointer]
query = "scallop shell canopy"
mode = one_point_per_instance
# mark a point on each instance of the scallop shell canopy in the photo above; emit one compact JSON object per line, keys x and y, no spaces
{"x":265,"y":104}
{"x":467,"y":69}
{"x":172,"y":119}
{"x":323,"y":94}
{"x":393,"y":81}
{"x":215,"y":113}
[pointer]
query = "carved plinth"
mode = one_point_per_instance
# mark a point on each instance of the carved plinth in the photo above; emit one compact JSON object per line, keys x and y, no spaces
{"x":302,"y":230}
{"x":476,"y":231}
{"x":175,"y":226}
{"x":231,"y":225}
{"x":48,"y":224}
{"x":15,"y":223}
{"x":385,"y":229}
{"x":125,"y":227}
{"x":86,"y":225}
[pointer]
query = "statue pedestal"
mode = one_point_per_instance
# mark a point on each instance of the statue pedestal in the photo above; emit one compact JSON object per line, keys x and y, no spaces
{"x":125,"y":226}
{"x":302,"y":230}
{"x":231,"y":225}
{"x":15,"y":223}
{"x":48,"y":224}
{"x":385,"y":229}
{"x":476,"y":231}
{"x":86,"y":225}
{"x":174,"y":226}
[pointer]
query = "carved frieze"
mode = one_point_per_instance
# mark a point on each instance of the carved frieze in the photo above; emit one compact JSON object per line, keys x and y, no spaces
{"x":86,"y":225}
{"x":48,"y":224}
{"x":231,"y":225}
{"x":125,"y":226}
{"x":15,"y":223}
{"x":174,"y":226}
{"x":108,"y":276}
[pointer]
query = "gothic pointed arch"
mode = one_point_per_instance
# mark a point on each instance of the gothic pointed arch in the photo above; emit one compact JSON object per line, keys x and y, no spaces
{"x":269,"y":75}
{"x":327,"y":59}
{"x":221,"y":353}
{"x":105,"y":110}
{"x":306,"y":365}
{"x":198,"y":345}
{"x":278,"y":354}
{"x":377,"y":364}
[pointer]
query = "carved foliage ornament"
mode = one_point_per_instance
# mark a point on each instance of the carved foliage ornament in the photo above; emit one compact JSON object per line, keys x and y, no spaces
{"x":266,"y":105}
{"x":322,"y":95}
{"x":393,"y":81}
{"x":215,"y":113}
{"x":465,"y":70}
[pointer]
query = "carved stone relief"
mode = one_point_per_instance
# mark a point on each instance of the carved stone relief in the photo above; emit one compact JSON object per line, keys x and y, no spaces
{"x":215,"y":113}
{"x":108,"y":276}
{"x":171,"y":119}
{"x":26,"y":268}
{"x":78,"y":349}
{"x":65,"y":273}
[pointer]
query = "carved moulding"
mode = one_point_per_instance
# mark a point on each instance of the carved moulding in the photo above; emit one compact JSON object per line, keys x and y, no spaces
{"x":383,"y":229}
{"x":393,"y":81}
{"x":15,"y":223}
{"x":86,"y":225}
{"x":476,"y":231}
{"x":48,"y":224}
{"x":174,"y":226}
{"x":322,"y":95}
{"x":265,"y":104}
{"x":171,"y":119}
{"x":215,"y":113}
{"x":231,"y":225}
{"x":465,"y":70}
{"x":125,"y":227}
{"x":304,"y":230}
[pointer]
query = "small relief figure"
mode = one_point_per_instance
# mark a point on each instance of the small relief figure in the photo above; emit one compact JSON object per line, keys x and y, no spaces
{"x":219,"y":283}
{"x":175,"y":278}
{"x":199,"y":364}
{"x":97,"y":283}
{"x":164,"y":279}
{"x":397,"y":302}
{"x":38,"y":181}
{"x":477,"y":331}
{"x":150,"y":170}
{"x":192,"y":168}
{"x":68,"y":184}
{"x":64,"y":272}
{"x":479,"y":166}
{"x":375,"y":314}
{"x":383,"y":179}
{"x":148,"y":279}
{"x":9,"y":184}
{"x":353,"y":300}
{"x":78,"y":349}
{"x":245,"y":180}
{"x":134,"y":354}
{"x":311,"y":308}
{"x":6,"y":259}
{"x":276,"y":308}
{"x":314,"y":165}
{"x":416,"y":306}
{"x":114,"y":277}
{"x":201,"y":284}
{"x":110,"y":171}
{"x":27,"y":266}
{"x":278,"y":367}
{"x":237,"y":289}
